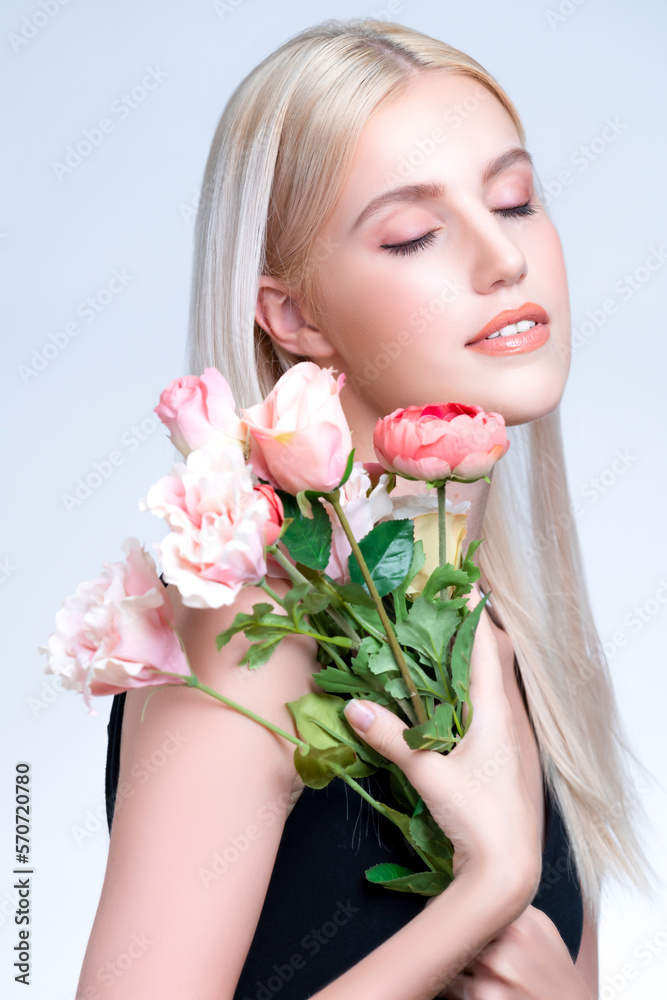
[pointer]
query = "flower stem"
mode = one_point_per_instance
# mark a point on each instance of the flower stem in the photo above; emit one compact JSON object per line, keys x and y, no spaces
{"x":334,"y":500}
{"x":442,"y":533}
{"x":381,"y":809}
{"x":196,"y":683}
{"x":270,"y":591}
{"x":298,"y":577}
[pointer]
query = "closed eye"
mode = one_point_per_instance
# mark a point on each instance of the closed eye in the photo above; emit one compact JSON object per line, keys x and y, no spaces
{"x":413,"y":246}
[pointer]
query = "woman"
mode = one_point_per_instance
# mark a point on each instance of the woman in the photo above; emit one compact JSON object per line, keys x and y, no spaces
{"x":306,"y":250}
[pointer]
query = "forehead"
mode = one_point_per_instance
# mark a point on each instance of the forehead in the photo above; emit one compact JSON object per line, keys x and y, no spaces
{"x":444,"y":127}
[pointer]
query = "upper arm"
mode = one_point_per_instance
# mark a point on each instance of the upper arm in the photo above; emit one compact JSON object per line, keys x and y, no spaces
{"x":203,"y":795}
{"x":587,"y":959}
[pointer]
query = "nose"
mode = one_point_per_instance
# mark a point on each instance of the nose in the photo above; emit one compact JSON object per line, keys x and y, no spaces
{"x":495,"y":257}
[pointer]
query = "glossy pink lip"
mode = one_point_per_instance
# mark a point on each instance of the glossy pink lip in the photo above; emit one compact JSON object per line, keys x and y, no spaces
{"x":516,"y":343}
{"x":529,"y":310}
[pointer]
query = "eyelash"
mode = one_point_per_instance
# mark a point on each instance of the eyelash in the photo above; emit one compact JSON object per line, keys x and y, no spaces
{"x":403,"y":249}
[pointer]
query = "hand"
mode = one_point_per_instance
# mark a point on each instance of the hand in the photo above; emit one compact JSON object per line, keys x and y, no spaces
{"x":528,"y":960}
{"x":491,"y":822}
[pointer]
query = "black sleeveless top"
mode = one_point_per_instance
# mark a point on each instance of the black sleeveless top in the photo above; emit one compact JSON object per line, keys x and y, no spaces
{"x":321,"y":915}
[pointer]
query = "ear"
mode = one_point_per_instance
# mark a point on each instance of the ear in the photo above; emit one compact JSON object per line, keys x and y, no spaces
{"x":281,"y":317}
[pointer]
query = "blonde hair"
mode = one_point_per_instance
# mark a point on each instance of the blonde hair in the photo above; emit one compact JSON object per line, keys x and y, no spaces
{"x":278,"y":159}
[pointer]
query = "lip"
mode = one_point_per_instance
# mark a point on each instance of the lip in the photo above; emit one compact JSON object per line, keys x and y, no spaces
{"x":529,"y":310}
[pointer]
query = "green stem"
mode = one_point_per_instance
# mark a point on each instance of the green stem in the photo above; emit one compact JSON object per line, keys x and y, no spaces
{"x":196,"y":683}
{"x":334,"y":500}
{"x":270,"y":591}
{"x":442,"y":533}
{"x":298,"y":577}
{"x":382,"y":810}
{"x":192,"y":680}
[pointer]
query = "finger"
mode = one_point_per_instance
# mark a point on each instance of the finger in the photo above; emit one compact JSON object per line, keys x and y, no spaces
{"x":381,"y":729}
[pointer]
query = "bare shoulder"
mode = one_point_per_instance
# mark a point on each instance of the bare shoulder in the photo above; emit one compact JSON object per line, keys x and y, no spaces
{"x":265,"y":690}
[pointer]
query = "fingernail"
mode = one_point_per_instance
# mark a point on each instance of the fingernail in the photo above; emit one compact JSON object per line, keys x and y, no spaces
{"x":359,"y":714}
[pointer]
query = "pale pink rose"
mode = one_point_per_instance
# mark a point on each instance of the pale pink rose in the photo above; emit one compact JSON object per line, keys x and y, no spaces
{"x":440,"y":442}
{"x":218,"y":526}
{"x":361,"y":511}
{"x":116,"y":632}
{"x":299,"y":437}
{"x":276,"y":512}
{"x":198,"y":410}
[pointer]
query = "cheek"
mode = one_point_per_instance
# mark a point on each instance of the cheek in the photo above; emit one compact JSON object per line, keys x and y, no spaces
{"x":546,"y":254}
{"x":373,"y":302}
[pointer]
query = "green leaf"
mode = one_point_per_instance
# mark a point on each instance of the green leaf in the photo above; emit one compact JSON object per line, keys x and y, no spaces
{"x":361,"y":749}
{"x":258,"y":653}
{"x":355,"y":593}
{"x":301,"y":599}
{"x":313,"y":707}
{"x":241,"y":621}
{"x":428,"y":835}
{"x":434,"y":734}
{"x":337,"y":681}
{"x":429,"y":628}
{"x":348,"y":470}
{"x":307,"y":540}
{"x":387,"y":552}
{"x":401,"y":788}
{"x":318,"y":767}
{"x":462,"y":650}
{"x":404,"y":880}
{"x":441,"y":577}
{"x":416,"y":563}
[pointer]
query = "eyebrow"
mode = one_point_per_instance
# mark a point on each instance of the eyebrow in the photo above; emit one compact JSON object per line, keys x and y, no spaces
{"x":419,"y":192}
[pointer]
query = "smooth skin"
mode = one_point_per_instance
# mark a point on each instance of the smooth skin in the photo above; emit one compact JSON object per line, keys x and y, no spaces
{"x":230,"y":778}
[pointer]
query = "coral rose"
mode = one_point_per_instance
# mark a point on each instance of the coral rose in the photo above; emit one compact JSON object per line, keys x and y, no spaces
{"x":441,"y":441}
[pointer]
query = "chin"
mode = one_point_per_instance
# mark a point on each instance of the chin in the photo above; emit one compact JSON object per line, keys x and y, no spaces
{"x":538,"y":403}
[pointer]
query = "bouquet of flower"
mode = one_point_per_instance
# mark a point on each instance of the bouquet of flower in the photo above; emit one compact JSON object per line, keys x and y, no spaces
{"x":275,"y":491}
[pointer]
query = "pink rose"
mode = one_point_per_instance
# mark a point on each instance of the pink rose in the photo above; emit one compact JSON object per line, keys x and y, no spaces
{"x":299,"y":437}
{"x":198,"y":410}
{"x":362,"y":512}
{"x":276,"y":512}
{"x":116,"y":632}
{"x":218,"y":525}
{"x":440,"y":442}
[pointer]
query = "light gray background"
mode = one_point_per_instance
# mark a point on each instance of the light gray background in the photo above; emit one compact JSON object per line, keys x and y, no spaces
{"x":128,"y":207}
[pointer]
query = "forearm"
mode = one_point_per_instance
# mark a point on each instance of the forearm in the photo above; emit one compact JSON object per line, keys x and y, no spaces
{"x":420,"y":959}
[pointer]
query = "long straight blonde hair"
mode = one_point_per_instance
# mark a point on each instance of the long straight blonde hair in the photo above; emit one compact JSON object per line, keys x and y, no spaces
{"x":277,"y":162}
